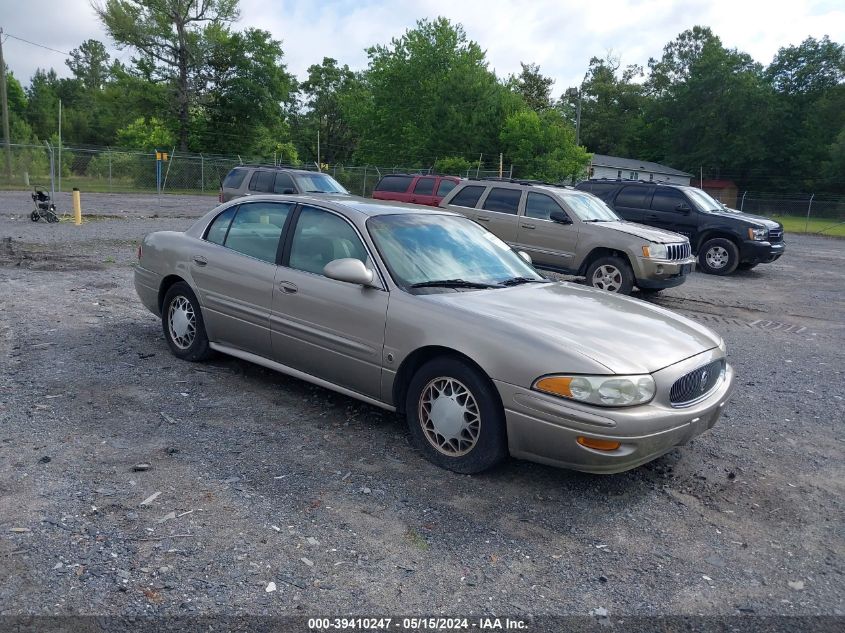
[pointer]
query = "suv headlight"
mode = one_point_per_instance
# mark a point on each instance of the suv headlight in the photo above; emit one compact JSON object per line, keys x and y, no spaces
{"x":656,"y":251}
{"x":605,"y":391}
{"x":758,"y":234}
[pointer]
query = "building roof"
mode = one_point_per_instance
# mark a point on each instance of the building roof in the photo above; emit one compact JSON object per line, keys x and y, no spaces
{"x":633,"y":164}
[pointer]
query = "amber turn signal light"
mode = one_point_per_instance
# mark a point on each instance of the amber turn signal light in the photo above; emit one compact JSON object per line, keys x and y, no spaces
{"x":558,"y":385}
{"x":599,"y":445}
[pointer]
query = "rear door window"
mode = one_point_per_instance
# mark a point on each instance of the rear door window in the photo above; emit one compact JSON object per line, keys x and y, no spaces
{"x":425,"y":186}
{"x":633,"y":196}
{"x":396,"y":184}
{"x":257,"y":229}
{"x":503,"y":200}
{"x":467,"y":197}
{"x":262,"y":182}
{"x":220,"y":226}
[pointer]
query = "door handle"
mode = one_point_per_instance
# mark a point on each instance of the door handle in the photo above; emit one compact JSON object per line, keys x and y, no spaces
{"x":288,"y":287}
{"x":528,"y":226}
{"x":199,"y":260}
{"x":483,"y":218}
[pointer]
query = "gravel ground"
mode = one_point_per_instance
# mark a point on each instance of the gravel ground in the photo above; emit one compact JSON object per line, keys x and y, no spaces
{"x":257,"y":478}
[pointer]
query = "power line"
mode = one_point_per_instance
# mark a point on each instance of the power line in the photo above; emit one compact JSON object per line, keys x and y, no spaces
{"x":20,"y":39}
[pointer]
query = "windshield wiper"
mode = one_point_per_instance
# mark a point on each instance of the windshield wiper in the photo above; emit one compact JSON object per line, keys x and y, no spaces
{"x":453,"y":283}
{"x":597,"y":220}
{"x":515,"y":281}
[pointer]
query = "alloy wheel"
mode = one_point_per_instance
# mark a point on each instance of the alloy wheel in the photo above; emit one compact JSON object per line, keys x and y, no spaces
{"x":608,"y":278}
{"x":449,"y":416}
{"x":717,"y":257}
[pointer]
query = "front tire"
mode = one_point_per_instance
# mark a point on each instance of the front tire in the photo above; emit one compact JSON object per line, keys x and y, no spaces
{"x":184,"y":329}
{"x":718,"y":256}
{"x":612,"y":274}
{"x":34,"y":216}
{"x":455,"y":416}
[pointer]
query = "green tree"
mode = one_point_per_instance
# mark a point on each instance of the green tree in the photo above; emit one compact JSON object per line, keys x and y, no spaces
{"x":452,"y":165}
{"x":168,"y":34}
{"x":812,"y":67}
{"x":542,"y":146}
{"x":246,"y":93}
{"x":533,"y":87}
{"x":330,"y":94}
{"x":90,"y":64}
{"x":430,"y":95}
{"x":145,"y":134}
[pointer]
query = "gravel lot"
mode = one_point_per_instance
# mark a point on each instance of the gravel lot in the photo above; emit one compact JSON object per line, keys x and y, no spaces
{"x":261,"y":478}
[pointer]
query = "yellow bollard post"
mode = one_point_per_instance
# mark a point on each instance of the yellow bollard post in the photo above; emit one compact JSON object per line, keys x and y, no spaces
{"x":77,"y":207}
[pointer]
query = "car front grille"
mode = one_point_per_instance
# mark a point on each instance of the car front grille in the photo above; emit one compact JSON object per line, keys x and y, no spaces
{"x":679,"y":251}
{"x":697,"y":384}
{"x":775,"y":235}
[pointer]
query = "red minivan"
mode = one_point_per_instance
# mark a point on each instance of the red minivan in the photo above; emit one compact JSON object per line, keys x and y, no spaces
{"x":428,"y":190}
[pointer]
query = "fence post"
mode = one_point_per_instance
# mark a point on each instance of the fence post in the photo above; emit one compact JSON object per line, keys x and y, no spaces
{"x":742,"y":202}
{"x":809,"y":207}
{"x":202,"y":173}
{"x":52,"y":172}
{"x":364,"y":186}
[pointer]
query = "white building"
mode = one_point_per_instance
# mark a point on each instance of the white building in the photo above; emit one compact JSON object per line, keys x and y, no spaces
{"x":613,"y":168}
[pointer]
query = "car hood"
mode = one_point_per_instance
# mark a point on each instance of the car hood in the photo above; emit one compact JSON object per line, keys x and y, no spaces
{"x":628,"y":336}
{"x":758,"y":220}
{"x":649,"y":233}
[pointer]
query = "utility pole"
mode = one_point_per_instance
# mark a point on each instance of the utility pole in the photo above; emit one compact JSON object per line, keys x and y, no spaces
{"x":319,"y":165}
{"x":60,"y":145}
{"x":5,"y":108}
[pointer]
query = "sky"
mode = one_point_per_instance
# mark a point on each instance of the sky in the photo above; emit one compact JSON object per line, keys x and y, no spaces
{"x":559,"y":35}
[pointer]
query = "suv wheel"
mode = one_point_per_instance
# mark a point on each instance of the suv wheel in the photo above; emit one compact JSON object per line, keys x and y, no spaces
{"x":718,"y":256}
{"x":455,"y":416}
{"x":612,"y":274}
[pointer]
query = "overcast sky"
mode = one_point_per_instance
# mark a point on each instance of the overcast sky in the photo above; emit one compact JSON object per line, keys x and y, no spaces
{"x":560,"y":35}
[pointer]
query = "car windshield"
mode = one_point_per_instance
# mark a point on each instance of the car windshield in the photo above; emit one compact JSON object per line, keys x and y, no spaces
{"x":430,"y":248}
{"x":703,"y":200}
{"x":589,"y":208}
{"x":318,"y":183}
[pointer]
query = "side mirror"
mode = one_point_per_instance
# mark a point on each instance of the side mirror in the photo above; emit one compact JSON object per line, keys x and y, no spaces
{"x":350,"y":270}
{"x":560,"y":217}
{"x":526,"y":257}
{"x":683,"y":208}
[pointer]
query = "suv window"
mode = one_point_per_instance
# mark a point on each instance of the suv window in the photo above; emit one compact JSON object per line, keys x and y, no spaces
{"x":235,"y":178}
{"x":220,"y":226}
{"x":445,"y":187}
{"x":284,"y":183}
{"x":262,"y":182}
{"x":467,"y":197}
{"x":601,"y":189}
{"x":397,"y":184}
{"x":425,"y":186}
{"x":540,"y":206}
{"x":257,"y":228}
{"x":667,"y":200}
{"x":503,"y":200}
{"x":321,"y":237}
{"x":632,"y":196}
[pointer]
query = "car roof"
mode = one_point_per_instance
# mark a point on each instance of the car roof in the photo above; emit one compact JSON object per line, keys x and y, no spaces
{"x":363,"y":206}
{"x":298,"y":170}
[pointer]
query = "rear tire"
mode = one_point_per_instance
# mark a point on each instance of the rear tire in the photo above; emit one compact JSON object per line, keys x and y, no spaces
{"x":184,"y":329}
{"x":455,"y":416}
{"x":718,"y":256}
{"x":612,"y":274}
{"x":34,"y":216}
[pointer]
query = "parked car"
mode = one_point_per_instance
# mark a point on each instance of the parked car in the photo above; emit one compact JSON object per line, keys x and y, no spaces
{"x":427,"y":313}
{"x":249,"y":180}
{"x":723,"y":239}
{"x":428,"y":190}
{"x":575,"y":233}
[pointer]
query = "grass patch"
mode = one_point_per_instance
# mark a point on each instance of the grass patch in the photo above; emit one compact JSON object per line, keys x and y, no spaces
{"x":416,"y":539}
{"x":818,"y":226}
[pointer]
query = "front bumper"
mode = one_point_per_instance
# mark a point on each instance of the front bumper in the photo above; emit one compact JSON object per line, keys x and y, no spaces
{"x":762,"y":252}
{"x":543,"y":428}
{"x":662,"y":273}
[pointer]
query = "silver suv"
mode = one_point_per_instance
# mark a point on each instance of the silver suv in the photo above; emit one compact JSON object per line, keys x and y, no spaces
{"x":247,"y":180}
{"x":574,"y":232}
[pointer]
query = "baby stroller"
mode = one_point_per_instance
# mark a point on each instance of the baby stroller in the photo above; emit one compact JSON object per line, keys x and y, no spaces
{"x":44,"y":208}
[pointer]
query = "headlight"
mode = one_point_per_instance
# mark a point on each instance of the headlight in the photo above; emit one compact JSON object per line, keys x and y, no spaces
{"x":758,"y":234}
{"x":605,"y":391}
{"x":656,"y":251}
